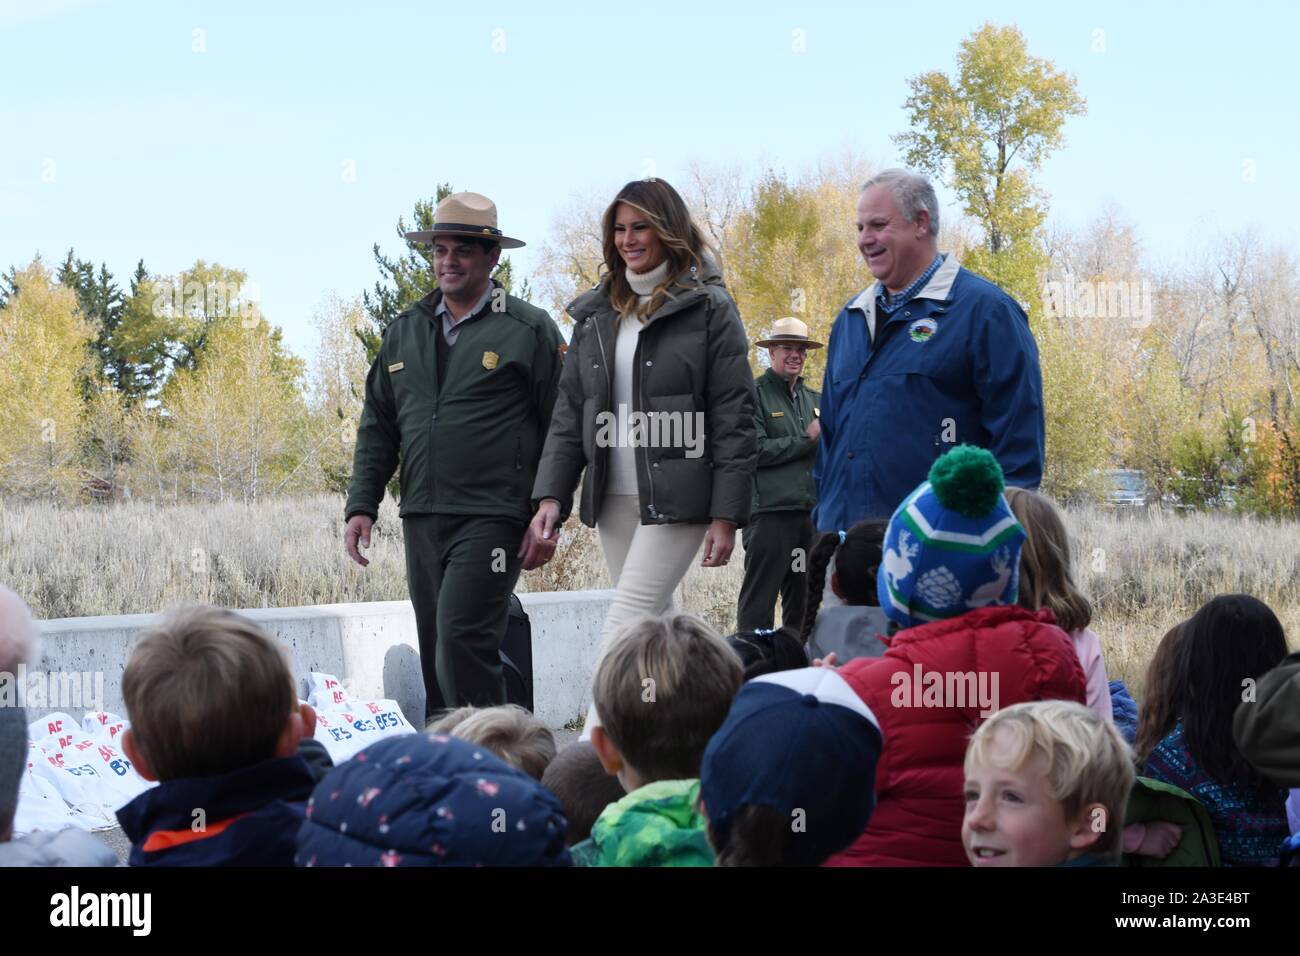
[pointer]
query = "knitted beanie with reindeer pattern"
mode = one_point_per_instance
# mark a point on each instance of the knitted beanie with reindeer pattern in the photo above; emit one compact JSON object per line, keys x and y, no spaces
{"x":953,"y":545}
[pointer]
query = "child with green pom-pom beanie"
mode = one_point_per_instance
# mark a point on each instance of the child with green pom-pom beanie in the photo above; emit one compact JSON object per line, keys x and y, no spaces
{"x":953,"y":545}
{"x":949,"y":578}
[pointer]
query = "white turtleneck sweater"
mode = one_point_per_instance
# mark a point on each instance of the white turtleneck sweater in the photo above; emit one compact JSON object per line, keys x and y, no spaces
{"x":622,"y":458}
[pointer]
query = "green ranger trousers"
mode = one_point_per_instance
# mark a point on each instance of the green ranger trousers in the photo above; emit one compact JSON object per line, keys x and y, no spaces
{"x":776,"y":543}
{"x":461,"y":571}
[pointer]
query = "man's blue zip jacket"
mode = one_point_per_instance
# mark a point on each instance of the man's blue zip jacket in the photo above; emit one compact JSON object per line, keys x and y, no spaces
{"x":955,"y":365}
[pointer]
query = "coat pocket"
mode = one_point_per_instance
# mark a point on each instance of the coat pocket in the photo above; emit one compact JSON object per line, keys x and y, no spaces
{"x":683,"y":488}
{"x":675,"y":428}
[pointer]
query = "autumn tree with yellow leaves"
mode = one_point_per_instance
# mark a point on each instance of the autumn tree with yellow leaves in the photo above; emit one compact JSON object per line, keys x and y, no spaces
{"x":237,"y":416}
{"x":44,"y":355}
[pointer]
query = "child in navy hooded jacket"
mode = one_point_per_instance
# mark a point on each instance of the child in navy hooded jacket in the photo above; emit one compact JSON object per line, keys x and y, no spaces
{"x":214,"y":718}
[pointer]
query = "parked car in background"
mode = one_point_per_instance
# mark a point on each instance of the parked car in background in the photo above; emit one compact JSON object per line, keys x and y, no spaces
{"x":1126,"y":489}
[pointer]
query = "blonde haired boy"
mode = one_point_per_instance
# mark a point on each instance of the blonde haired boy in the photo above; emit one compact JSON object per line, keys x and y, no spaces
{"x":508,"y":731}
{"x":1046,"y":785}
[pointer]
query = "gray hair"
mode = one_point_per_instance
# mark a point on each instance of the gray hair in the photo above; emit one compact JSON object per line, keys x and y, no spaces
{"x":912,"y":192}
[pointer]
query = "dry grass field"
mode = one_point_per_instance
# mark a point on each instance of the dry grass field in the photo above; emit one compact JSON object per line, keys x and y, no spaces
{"x":1143,"y":572}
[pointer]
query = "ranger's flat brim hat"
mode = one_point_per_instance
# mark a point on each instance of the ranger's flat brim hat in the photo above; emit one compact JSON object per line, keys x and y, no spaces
{"x":789,"y":331}
{"x":466,"y":214}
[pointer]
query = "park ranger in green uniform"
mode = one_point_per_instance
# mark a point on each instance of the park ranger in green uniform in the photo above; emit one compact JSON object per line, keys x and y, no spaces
{"x":779,"y":535}
{"x":461,"y":394}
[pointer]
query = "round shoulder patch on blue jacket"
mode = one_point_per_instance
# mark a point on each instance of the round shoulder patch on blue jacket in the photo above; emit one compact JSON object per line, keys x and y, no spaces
{"x":922,"y":329}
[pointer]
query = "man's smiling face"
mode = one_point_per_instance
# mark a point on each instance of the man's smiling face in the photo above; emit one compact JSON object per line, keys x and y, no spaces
{"x":896,"y":251}
{"x":462,"y":266}
{"x":787,"y":360}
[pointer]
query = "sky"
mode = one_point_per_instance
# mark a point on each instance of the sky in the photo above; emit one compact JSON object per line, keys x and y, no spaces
{"x":286,"y":143}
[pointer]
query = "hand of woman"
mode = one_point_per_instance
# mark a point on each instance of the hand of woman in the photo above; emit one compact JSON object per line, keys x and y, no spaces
{"x":719,"y":542}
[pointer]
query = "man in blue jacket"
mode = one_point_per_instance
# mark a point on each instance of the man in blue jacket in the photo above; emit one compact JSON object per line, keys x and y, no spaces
{"x":928,"y":357}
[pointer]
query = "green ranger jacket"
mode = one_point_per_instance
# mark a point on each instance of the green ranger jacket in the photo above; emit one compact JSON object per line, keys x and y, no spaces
{"x":784,"y":478}
{"x":469,"y":447}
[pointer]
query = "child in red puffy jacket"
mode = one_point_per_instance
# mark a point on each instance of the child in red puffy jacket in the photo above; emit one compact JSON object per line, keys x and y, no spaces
{"x":949,"y":578}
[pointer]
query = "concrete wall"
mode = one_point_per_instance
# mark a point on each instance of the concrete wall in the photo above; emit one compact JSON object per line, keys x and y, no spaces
{"x":373,"y":647}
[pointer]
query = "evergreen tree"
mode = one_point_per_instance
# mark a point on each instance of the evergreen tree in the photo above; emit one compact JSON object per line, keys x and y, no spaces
{"x":144,"y":337}
{"x":9,"y":284}
{"x":100,"y":301}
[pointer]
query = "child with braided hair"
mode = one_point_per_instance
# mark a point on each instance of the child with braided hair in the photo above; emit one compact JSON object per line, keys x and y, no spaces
{"x":855,"y":628}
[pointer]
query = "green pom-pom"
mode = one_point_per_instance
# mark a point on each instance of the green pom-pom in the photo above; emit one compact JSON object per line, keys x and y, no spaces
{"x":967,"y":480}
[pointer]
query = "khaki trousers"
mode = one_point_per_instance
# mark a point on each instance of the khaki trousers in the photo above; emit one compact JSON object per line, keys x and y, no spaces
{"x":645,"y":562}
